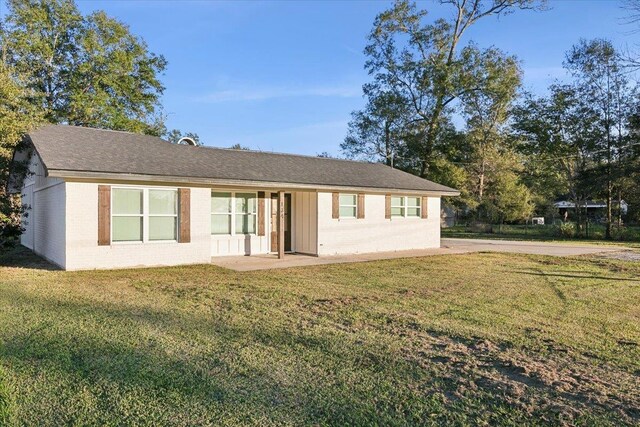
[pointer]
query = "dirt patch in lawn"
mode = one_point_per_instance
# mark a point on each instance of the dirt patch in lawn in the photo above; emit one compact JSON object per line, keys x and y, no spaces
{"x":621,"y":255}
{"x":552,"y":385}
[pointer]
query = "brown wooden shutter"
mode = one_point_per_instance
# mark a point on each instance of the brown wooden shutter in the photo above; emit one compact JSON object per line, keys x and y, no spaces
{"x":184,"y":228}
{"x":104,"y":215}
{"x":261,"y":206}
{"x":335,"y":206}
{"x":360,"y":206}
{"x":387,"y":206}
{"x":424,"y":212}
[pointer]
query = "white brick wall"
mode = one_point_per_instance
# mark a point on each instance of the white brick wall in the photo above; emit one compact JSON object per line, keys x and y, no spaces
{"x":374,"y":233}
{"x":48,"y":216}
{"x":83,"y":252}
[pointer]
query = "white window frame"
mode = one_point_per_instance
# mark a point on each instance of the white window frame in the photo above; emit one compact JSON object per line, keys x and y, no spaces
{"x":145,"y":215}
{"x":229,"y":214}
{"x":405,"y":207}
{"x":233,"y":213}
{"x":355,"y":206}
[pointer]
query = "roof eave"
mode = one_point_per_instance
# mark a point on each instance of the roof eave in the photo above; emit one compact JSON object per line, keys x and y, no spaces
{"x":86,"y":176}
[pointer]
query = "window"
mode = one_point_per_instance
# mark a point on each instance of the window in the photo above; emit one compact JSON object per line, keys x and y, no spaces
{"x":220,"y":213}
{"x":140,"y":215}
{"x":413,"y":207}
{"x":397,"y":206}
{"x":163,"y":215}
{"x":233,"y":213}
{"x":245,"y":213}
{"x":406,"y":207}
{"x":348,"y":205}
{"x":127,"y":215}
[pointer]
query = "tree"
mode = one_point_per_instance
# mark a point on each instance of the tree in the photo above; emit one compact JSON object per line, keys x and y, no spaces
{"x":556,"y":138}
{"x":17,"y":116}
{"x":603,"y":87}
{"x":486,"y":112}
{"x":88,"y":71}
{"x":422,"y":64}
{"x":379,"y":131}
{"x":175,"y":135}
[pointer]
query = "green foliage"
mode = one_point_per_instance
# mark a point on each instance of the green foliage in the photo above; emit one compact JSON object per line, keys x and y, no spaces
{"x":174,"y":136}
{"x":566,"y":229}
{"x":83,"y":70}
{"x":17,"y":116}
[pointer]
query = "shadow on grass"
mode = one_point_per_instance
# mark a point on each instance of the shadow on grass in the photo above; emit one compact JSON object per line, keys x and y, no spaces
{"x":576,"y":276}
{"x":23,"y":257}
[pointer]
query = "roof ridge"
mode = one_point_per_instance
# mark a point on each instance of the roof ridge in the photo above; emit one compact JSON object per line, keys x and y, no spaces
{"x":103,"y":130}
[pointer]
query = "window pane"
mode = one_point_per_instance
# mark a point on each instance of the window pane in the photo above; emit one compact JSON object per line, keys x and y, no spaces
{"x":347,"y":212}
{"x":127,"y":229}
{"x":413,"y":201}
{"x":397,"y":211}
{"x":220,"y":202}
{"x":397,"y":201}
{"x":348,"y":199}
{"x":245,"y":203}
{"x":220,"y":224}
{"x":163,"y":202}
{"x":162,"y":228}
{"x":127,"y":201}
{"x":245,"y":224}
{"x":413,"y":211}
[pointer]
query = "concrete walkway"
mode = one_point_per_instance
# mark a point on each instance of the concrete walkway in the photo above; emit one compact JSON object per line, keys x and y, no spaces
{"x":448,"y":246}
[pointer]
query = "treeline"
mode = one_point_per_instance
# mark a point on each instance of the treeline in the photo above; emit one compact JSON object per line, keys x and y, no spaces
{"x":456,"y":113}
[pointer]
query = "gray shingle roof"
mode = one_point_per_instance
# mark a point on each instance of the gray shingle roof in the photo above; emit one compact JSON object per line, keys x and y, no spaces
{"x":79,"y":149}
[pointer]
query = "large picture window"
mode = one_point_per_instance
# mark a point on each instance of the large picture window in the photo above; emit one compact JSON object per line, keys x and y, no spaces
{"x":139,"y":215}
{"x":348,"y":206}
{"x":233,"y":213}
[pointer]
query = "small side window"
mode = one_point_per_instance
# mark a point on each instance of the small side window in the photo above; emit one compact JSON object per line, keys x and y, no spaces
{"x":348,"y":206}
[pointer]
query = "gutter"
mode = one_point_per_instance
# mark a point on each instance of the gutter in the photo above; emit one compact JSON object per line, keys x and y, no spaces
{"x":82,"y":176}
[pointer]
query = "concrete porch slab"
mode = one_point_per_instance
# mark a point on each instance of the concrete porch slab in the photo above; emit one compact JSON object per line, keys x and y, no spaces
{"x":449,"y":246}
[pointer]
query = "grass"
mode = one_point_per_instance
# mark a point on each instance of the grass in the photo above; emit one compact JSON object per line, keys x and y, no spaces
{"x":477,"y":339}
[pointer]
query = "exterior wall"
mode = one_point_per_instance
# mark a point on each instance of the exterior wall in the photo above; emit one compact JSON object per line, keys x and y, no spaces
{"x":374,"y":233}
{"x":304,"y":224}
{"x":83,"y":252}
{"x":44,"y":222}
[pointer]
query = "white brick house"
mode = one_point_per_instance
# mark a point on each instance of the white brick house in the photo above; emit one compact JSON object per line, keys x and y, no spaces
{"x":107,"y":199}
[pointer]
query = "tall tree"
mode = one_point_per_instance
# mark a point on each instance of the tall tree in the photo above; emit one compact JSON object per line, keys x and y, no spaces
{"x":604,"y":89}
{"x":422,"y":63}
{"x":84,"y":70}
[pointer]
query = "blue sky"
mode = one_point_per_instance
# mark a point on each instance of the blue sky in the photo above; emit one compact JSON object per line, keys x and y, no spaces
{"x":285,"y":76}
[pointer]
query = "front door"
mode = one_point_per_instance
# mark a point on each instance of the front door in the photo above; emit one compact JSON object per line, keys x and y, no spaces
{"x":274,"y":222}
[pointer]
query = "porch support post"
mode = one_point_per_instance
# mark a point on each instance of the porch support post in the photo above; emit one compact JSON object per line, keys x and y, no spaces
{"x":280,"y":224}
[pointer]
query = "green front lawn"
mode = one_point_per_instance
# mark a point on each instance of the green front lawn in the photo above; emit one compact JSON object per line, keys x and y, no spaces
{"x":446,"y":340}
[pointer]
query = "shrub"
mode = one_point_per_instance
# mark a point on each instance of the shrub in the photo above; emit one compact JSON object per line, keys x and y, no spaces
{"x":566,"y":229}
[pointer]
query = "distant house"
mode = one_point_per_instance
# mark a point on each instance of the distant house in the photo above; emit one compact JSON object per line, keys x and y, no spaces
{"x":593,"y":208}
{"x":108,"y":199}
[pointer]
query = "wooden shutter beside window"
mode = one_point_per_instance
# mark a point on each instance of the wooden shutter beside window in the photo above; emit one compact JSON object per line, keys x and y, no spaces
{"x":360,"y":206}
{"x":335,"y":205}
{"x":424,"y":212}
{"x":387,"y":206}
{"x":261,"y":206}
{"x":104,"y":215}
{"x":184,"y":203}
